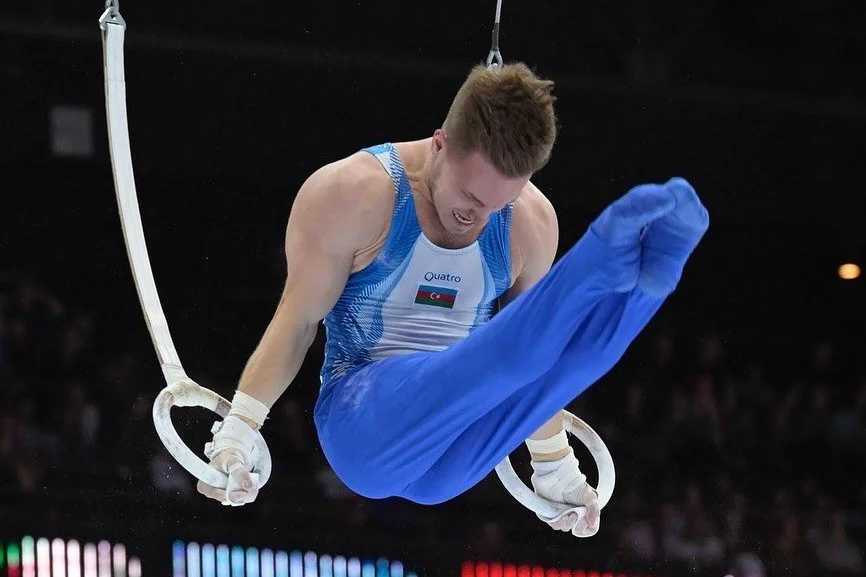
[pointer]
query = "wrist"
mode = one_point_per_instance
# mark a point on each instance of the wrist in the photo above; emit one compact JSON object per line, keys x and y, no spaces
{"x":552,"y":448}
{"x":249,"y":422}
{"x":248,"y":409}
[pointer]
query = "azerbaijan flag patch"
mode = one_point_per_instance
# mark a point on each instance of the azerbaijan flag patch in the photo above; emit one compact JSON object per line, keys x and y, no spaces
{"x":436,"y":296}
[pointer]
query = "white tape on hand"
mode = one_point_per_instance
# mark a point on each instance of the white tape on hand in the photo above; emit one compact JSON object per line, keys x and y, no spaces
{"x":551,"y":510}
{"x":250,"y":408}
{"x":188,"y":393}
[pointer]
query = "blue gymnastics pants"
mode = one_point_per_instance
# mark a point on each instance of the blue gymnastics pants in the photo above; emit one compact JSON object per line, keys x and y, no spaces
{"x":429,"y":426}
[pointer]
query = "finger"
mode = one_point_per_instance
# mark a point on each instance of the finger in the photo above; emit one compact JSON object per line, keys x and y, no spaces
{"x":242,"y":497}
{"x":593,"y":516}
{"x":210,"y":492}
{"x":588,"y":526}
{"x":564,"y":523}
{"x":242,"y":487}
{"x":239,"y":476}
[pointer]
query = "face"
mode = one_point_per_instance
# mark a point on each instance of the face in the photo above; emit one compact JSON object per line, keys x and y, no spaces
{"x":465,"y":192}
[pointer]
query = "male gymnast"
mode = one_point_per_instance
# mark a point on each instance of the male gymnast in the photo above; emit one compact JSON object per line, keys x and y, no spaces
{"x":405,"y":250}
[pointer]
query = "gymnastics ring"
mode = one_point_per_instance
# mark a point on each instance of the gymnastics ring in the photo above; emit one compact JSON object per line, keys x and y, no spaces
{"x":180,"y":390}
{"x":186,"y":393}
{"x":549,"y":509}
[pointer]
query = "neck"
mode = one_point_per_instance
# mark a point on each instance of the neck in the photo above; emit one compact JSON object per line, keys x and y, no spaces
{"x":418,"y":164}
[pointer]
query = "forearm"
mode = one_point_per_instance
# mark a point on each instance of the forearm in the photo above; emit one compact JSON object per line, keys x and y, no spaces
{"x":277,"y":359}
{"x":547,"y":431}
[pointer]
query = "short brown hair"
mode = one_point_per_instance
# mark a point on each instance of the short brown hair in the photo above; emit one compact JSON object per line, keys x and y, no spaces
{"x":505,"y":113}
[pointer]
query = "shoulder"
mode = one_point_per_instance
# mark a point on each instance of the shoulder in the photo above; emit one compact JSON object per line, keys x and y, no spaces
{"x":535,"y":230}
{"x":533,"y":211}
{"x":354,"y":183}
{"x":353,"y":195}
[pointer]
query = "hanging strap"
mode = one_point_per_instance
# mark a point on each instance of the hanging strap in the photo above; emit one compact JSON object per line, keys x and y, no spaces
{"x":180,"y":390}
{"x":494,"y":59}
{"x":113,"y":30}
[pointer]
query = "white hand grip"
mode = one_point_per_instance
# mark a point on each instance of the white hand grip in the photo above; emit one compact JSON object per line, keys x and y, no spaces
{"x":186,"y":393}
{"x":549,"y":509}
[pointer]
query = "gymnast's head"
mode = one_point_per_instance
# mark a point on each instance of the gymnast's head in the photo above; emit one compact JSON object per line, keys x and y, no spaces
{"x":499,"y":131}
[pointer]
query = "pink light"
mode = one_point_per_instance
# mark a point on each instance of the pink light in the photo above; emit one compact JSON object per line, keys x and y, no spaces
{"x":119,"y":560}
{"x":90,"y":560}
{"x":43,"y":558}
{"x":104,"y":559}
{"x":73,"y":559}
{"x":58,"y":558}
{"x":134,"y":567}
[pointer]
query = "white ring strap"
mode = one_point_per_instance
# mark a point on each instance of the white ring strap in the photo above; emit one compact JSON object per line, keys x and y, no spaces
{"x":180,"y":390}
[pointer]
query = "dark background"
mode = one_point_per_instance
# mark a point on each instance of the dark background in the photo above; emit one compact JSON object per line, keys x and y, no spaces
{"x":762,"y":106}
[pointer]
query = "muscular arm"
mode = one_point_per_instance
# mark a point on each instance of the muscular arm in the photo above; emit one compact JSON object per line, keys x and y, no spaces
{"x":332,"y":219}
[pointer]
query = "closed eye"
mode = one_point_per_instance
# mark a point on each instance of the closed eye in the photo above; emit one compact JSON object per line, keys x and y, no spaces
{"x":472,"y":197}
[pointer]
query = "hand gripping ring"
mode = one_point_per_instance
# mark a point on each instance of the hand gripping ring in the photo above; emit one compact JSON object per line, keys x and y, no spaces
{"x":186,"y":393}
{"x":550,"y":509}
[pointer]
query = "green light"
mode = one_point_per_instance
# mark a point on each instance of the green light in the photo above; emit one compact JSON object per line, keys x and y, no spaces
{"x":13,"y":555}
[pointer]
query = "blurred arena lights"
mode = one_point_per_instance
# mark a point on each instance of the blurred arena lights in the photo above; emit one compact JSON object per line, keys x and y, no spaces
{"x":41,"y":557}
{"x":849,"y":271}
{"x":207,"y":560}
{"x":499,"y":569}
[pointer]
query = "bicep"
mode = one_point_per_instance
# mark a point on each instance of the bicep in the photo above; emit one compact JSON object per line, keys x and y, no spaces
{"x":315,"y":279}
{"x":320,"y":246}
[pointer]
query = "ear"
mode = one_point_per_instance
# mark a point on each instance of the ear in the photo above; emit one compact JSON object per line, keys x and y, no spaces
{"x":438,"y":141}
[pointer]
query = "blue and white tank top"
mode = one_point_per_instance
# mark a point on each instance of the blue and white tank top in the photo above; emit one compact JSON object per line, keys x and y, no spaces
{"x":415,"y":296}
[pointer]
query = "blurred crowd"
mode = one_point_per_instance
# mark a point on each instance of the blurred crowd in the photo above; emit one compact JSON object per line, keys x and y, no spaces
{"x":728,"y":463}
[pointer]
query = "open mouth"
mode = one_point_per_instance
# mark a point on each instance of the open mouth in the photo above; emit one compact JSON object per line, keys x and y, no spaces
{"x":462,"y":220}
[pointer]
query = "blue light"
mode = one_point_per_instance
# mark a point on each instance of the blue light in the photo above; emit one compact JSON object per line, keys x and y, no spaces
{"x":296,"y":564}
{"x":237,"y":561}
{"x":223,"y":563}
{"x":208,"y":560}
{"x":310,"y":569}
{"x":326,"y":566}
{"x":178,"y":559}
{"x":339,"y":566}
{"x":383,"y":568}
{"x":282,"y":563}
{"x":267,"y":563}
{"x":252,"y":562}
{"x":354,"y":567}
{"x":193,"y":560}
